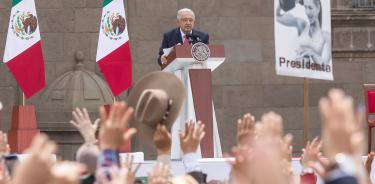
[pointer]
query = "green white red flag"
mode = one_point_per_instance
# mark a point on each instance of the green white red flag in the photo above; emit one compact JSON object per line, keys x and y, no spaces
{"x":113,"y":53}
{"x":23,"y":50}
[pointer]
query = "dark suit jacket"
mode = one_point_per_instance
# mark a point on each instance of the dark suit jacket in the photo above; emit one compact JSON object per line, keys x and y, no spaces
{"x":199,"y":176}
{"x":173,"y":37}
{"x":343,"y":180}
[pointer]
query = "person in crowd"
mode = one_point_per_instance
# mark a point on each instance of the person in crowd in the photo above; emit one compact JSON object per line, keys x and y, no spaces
{"x":113,"y":133}
{"x":343,"y":140}
{"x":368,"y":163}
{"x":163,"y":142}
{"x":184,"y":34}
{"x":4,"y":152}
{"x":266,"y":150}
{"x":342,"y":145}
{"x":261,"y":146}
{"x":88,"y":153}
{"x":39,"y":168}
{"x":310,"y":155}
{"x":190,"y":139}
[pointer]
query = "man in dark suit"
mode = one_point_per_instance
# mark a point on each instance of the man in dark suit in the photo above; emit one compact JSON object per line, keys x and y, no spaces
{"x":184,"y":34}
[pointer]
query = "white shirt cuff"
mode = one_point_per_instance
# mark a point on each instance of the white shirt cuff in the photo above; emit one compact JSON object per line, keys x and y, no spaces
{"x":165,"y":159}
{"x":191,"y":163}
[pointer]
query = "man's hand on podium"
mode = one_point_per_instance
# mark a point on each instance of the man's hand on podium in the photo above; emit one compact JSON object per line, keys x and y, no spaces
{"x":163,"y":59}
{"x":191,"y":137}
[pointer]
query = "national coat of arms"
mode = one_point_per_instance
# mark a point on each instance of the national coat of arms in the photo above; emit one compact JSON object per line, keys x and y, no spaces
{"x":200,"y":52}
{"x":113,"y":25}
{"x":24,"y":24}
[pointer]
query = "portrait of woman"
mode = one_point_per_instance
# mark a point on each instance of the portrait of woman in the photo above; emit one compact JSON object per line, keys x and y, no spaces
{"x":314,"y":44}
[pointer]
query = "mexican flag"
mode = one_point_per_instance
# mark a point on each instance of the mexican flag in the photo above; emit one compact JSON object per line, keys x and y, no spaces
{"x":23,"y":50}
{"x":113,"y":54}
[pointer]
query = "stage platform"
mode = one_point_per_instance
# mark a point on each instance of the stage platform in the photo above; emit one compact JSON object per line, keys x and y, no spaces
{"x":215,"y":168}
{"x":218,"y":168}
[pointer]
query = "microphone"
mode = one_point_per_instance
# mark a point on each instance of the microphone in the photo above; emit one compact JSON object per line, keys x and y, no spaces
{"x":190,"y":38}
{"x":196,"y":37}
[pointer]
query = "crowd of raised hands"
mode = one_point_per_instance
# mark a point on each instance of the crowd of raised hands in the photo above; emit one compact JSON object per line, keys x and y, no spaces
{"x":262,"y":155}
{"x":263,"y":152}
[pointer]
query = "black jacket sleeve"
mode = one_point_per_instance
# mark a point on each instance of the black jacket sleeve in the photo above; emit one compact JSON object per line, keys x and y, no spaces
{"x":164,"y":44}
{"x":343,"y":180}
{"x":199,"y":176}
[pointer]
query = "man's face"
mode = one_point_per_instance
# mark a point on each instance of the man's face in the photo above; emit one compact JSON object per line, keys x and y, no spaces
{"x":186,"y":22}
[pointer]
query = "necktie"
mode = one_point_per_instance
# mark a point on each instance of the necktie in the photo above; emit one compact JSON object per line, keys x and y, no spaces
{"x":186,"y":41}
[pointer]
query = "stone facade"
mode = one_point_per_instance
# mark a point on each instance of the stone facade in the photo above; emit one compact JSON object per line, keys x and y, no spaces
{"x":246,"y":82}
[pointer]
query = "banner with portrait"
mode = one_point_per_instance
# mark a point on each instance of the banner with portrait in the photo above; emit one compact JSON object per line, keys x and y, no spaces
{"x":303,"y":38}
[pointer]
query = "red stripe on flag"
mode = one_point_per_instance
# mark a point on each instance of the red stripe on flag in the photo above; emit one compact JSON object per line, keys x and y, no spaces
{"x":117,"y":69}
{"x":28,"y":69}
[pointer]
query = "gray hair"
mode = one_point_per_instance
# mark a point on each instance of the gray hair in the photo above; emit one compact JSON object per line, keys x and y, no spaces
{"x":179,"y":12}
{"x":88,"y":155}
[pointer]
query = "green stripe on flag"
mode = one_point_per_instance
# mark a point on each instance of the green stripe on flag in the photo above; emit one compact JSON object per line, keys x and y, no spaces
{"x":15,"y":2}
{"x":105,"y":2}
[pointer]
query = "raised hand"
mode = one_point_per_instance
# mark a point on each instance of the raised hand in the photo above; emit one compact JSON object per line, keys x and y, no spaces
{"x":311,"y":152}
{"x":160,"y":174}
{"x":323,"y":169}
{"x":126,"y":175}
{"x":343,"y":137}
{"x":162,"y":140}
{"x":114,"y":129}
{"x":36,"y":169}
{"x":4,"y":178}
{"x":191,"y":137}
{"x":4,"y":146}
{"x":4,"y":175}
{"x":241,"y":165}
{"x":128,"y":172}
{"x":341,"y":125}
{"x":245,"y":129}
{"x":83,"y":123}
{"x":270,"y":151}
{"x":368,"y":163}
{"x":66,"y":173}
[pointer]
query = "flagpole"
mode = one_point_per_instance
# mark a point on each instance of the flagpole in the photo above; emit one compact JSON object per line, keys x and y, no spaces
{"x":306,"y":115}
{"x":23,"y":99}
{"x":1,"y":108}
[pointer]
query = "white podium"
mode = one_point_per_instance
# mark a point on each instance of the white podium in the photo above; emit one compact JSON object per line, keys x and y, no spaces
{"x":196,"y":78}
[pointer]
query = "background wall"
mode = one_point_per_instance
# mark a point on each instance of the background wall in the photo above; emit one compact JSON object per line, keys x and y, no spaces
{"x":246,"y":82}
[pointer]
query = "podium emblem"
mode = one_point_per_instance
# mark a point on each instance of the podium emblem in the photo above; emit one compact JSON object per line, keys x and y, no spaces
{"x":200,"y":52}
